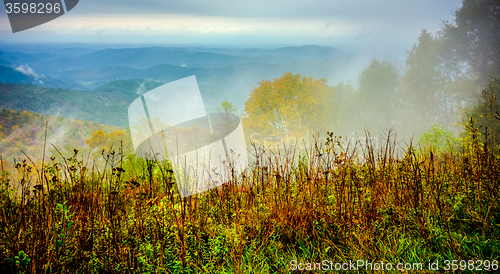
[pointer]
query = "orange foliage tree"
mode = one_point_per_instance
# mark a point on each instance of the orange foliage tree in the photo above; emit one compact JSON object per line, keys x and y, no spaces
{"x":102,"y":142}
{"x":288,"y":105}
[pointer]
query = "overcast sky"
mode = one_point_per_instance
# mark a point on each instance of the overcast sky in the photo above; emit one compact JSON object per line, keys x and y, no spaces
{"x":348,"y":24}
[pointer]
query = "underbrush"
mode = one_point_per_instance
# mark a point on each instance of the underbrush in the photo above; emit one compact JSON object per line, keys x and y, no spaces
{"x":329,"y":202}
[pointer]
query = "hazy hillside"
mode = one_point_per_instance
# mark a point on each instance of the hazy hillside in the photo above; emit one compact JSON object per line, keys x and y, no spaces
{"x":23,"y":130}
{"x":13,"y":76}
{"x":94,"y":77}
{"x":237,"y":78}
{"x":143,"y":58}
{"x":106,"y":105}
{"x":20,"y":58}
{"x":240,"y":79}
{"x":139,"y":58}
{"x":304,"y":52}
{"x":24,"y":74}
{"x":4,"y":62}
{"x":98,"y":85}
{"x":82,"y":70}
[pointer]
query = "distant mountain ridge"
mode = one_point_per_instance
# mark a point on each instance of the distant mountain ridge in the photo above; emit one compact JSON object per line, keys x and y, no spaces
{"x":122,"y":62}
{"x":303,"y":52}
{"x":108,"y":78}
{"x":11,"y":75}
{"x":107,"y":104}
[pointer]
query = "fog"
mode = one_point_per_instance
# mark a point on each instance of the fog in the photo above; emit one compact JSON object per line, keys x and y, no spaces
{"x":387,"y":67}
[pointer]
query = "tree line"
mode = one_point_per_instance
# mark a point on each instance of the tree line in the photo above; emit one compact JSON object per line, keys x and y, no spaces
{"x":447,"y":75}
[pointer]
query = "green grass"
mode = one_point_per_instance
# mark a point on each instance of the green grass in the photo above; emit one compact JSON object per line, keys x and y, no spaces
{"x":331,"y":202}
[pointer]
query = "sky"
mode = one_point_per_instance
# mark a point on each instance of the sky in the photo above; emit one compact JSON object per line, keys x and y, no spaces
{"x":390,"y":25}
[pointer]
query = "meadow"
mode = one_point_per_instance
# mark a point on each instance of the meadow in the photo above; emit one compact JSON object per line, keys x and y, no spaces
{"x":70,"y":202}
{"x":387,"y":204}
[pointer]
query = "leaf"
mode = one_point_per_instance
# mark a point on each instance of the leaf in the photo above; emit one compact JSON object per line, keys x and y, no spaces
{"x":70,"y":224}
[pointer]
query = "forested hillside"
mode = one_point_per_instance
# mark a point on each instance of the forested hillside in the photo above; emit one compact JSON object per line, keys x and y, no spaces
{"x":23,"y":130}
{"x":107,"y":104}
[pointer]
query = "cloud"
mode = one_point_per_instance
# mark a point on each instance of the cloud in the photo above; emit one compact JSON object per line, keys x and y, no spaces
{"x":318,"y":9}
{"x":284,"y":22}
{"x":157,"y":24}
{"x":363,"y":35}
{"x":385,"y":15}
{"x":26,"y":70}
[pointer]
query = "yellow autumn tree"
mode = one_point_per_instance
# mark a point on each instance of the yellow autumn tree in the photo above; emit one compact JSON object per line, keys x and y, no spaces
{"x":289,"y":105}
{"x":104,"y":141}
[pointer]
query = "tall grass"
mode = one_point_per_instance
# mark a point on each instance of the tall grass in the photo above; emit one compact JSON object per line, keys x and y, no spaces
{"x":329,"y":202}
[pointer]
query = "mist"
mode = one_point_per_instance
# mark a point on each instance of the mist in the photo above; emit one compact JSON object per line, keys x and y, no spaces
{"x":404,"y":77}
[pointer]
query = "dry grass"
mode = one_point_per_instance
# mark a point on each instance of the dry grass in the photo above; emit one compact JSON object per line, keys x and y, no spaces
{"x":329,"y":202}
